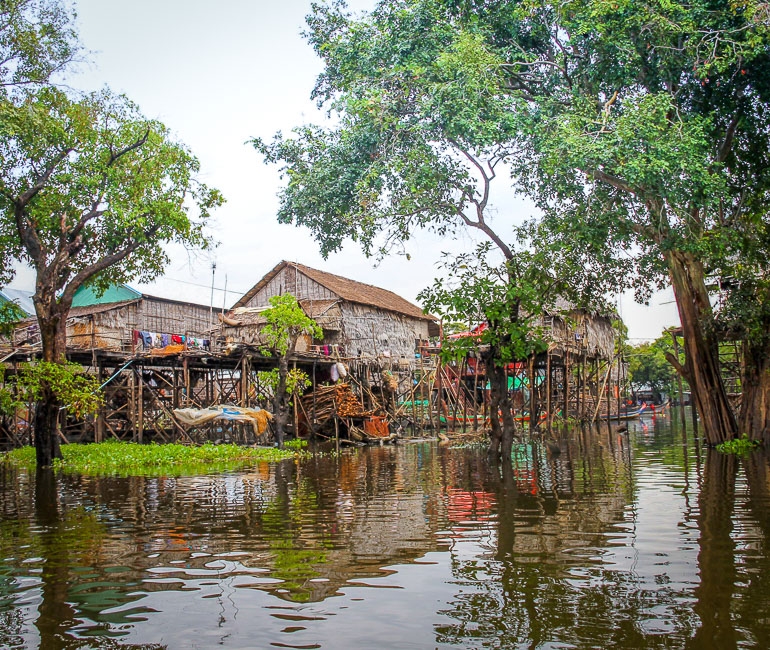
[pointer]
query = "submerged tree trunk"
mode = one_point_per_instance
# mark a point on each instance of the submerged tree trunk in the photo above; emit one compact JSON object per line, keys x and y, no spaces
{"x":53,"y":335}
{"x":701,"y":347}
{"x":500,"y":416}
{"x":754,"y":419}
{"x":281,"y":400}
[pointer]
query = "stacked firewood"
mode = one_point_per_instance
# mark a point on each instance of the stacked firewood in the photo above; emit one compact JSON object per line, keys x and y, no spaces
{"x":339,"y":398}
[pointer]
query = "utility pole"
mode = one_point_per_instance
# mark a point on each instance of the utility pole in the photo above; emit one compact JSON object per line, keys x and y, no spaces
{"x":211,"y":301}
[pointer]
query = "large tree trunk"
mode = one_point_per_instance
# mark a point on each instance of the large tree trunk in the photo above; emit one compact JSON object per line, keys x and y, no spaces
{"x":53,"y":335}
{"x":701,"y":347}
{"x":281,"y":400}
{"x":754,"y":418}
{"x":500,"y":416}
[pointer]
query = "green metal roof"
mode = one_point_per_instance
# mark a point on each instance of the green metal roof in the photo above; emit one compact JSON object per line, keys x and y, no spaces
{"x":116,"y":293}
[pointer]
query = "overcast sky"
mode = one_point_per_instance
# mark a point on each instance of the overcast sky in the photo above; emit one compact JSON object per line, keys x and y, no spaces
{"x":220,"y":73}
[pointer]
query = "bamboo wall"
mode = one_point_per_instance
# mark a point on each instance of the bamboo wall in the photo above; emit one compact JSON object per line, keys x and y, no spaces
{"x":592,"y":335}
{"x":113,"y":329}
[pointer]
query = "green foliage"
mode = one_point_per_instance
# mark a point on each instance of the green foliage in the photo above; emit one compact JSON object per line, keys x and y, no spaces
{"x":296,"y":380}
{"x":637,"y":128}
{"x":10,"y":314}
{"x":73,"y":388}
{"x":98,"y":187}
{"x":508,"y":297}
{"x":297,"y":443}
{"x":649,"y":368}
{"x":37,"y":39}
{"x":8,"y":401}
{"x":286,"y":322}
{"x":127,"y":458}
{"x":740,"y":445}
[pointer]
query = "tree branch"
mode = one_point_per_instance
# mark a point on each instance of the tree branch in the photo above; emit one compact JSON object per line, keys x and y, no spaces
{"x":102,"y":264}
{"x":42,"y":179}
{"x":727,"y":142}
{"x":615,"y":181}
{"x":677,"y":366}
{"x":135,"y":145}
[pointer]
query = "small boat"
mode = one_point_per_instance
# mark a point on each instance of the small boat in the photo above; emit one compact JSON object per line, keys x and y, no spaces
{"x":480,"y":419}
{"x":630,"y":414}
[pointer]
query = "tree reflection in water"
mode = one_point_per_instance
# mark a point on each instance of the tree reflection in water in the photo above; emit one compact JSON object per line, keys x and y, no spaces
{"x":603,"y":540}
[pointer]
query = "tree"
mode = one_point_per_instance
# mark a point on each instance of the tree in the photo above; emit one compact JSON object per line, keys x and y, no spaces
{"x":286,"y":322}
{"x":424,"y":126}
{"x":90,"y":191}
{"x":638,"y":127}
{"x":508,"y":298}
{"x":650,"y":119}
{"x":37,"y":40}
{"x":648,"y":367}
{"x":10,"y":314}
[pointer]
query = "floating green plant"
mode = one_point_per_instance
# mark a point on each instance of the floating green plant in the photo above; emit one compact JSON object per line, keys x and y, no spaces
{"x":740,"y":445}
{"x":128,"y":458}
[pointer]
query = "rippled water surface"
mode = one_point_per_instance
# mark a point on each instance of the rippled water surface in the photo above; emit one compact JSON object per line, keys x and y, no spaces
{"x":619,"y":540}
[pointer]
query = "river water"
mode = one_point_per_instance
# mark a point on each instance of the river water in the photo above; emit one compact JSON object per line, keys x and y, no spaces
{"x":626,"y":540}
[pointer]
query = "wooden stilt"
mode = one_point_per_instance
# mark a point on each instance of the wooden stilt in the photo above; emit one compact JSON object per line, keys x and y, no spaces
{"x":679,"y":383}
{"x":99,"y":424}
{"x":475,"y":391}
{"x":315,"y":384}
{"x":548,"y":386}
{"x":132,"y":403}
{"x":565,"y":414}
{"x":140,"y":410}
{"x":532,"y":388}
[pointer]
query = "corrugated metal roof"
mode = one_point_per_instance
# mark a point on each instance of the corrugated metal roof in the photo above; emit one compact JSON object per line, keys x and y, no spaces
{"x":21,"y":297}
{"x":88,"y":310}
{"x":345,"y":288}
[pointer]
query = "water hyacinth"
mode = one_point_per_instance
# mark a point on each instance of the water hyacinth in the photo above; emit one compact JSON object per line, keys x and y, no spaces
{"x":127,"y":458}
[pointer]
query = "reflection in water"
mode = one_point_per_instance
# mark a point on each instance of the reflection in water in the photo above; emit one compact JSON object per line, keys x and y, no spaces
{"x":603,"y":540}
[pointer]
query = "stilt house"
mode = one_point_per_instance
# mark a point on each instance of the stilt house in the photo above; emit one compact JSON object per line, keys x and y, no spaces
{"x":126,"y":320}
{"x":358,"y":320}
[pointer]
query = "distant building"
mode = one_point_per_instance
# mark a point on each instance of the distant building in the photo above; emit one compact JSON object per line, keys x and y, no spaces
{"x":124,"y":319}
{"x":357,"y":319}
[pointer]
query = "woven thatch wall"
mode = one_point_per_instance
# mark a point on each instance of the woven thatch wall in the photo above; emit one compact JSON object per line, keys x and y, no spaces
{"x":359,"y":329}
{"x":371,"y":332}
{"x":591,"y":334}
{"x":104,"y":330}
{"x":169,"y":317}
{"x":111,"y":328}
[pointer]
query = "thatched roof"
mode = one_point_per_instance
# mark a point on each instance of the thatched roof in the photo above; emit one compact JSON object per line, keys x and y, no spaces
{"x":346,"y":289}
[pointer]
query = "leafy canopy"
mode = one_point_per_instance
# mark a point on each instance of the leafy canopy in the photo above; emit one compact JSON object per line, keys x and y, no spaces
{"x":10,"y":314}
{"x":73,"y":388}
{"x":507,"y":298}
{"x":37,"y":40}
{"x":649,"y":368}
{"x":639,"y":128}
{"x":90,"y":190}
{"x":286,"y":322}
